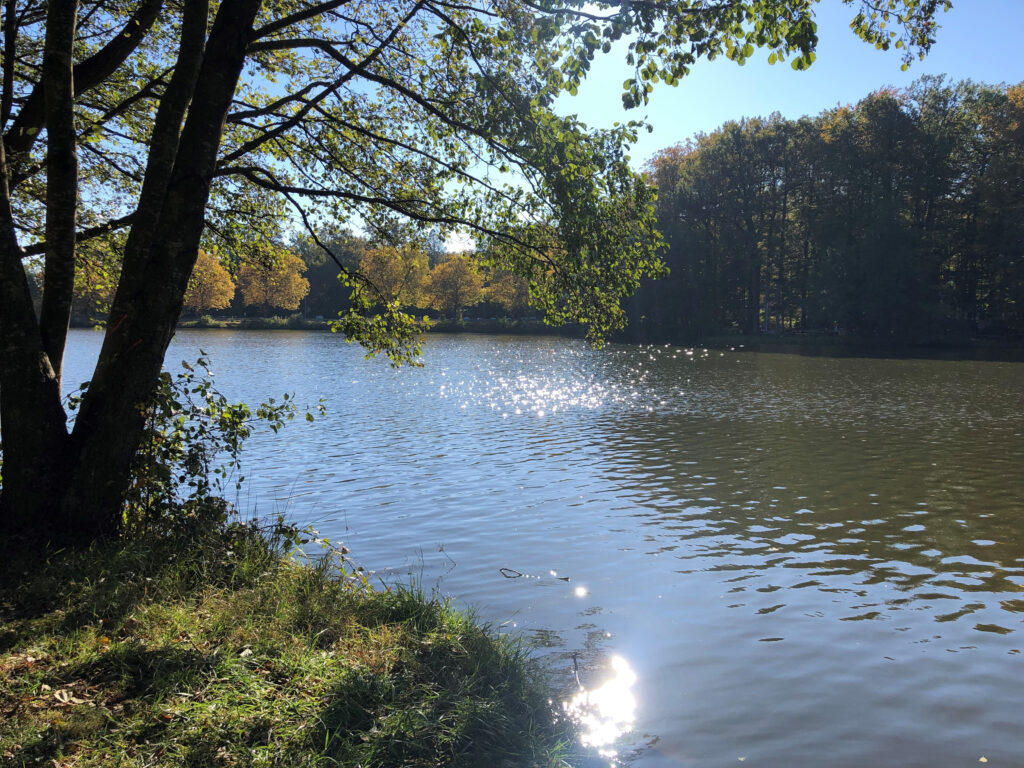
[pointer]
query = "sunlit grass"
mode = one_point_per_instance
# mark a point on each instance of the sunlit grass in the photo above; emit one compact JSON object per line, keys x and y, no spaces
{"x":215,"y":650}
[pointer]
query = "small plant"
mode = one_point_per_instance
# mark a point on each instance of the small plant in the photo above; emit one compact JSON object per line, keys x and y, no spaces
{"x":191,"y":449}
{"x":208,"y":321}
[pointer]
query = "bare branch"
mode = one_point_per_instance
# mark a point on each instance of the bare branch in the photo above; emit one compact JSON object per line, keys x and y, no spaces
{"x":265,"y":179}
{"x":272,"y":107}
{"x":35,"y":249}
{"x":297,"y":18}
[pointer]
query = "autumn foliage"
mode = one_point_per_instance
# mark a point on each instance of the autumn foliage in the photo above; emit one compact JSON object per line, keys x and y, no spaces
{"x":210,"y":286}
{"x":273,"y":282}
{"x":455,"y":284}
{"x":398,"y":275}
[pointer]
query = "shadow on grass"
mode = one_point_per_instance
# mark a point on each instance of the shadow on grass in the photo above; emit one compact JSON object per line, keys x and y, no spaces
{"x":456,"y":696}
{"x":279,"y":663}
{"x":121,"y":674}
{"x":56,"y":592}
{"x":133,"y":672}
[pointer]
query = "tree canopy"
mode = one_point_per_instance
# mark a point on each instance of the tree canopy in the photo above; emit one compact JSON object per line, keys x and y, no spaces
{"x":275,"y":281}
{"x":397,"y":273}
{"x":200,"y":124}
{"x":929,"y":244}
{"x":210,"y":286}
{"x":454,"y":284}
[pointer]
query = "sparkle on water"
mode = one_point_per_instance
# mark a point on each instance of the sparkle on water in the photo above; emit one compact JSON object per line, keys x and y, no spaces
{"x":607,"y":712}
{"x":811,"y":556}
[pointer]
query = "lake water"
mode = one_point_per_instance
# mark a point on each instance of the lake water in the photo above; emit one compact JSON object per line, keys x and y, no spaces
{"x":773,"y":560}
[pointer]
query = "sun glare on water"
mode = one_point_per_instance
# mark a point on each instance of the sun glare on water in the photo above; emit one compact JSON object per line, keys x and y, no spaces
{"x":607,"y":712}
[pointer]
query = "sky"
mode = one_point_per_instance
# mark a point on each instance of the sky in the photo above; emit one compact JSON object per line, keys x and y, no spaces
{"x":977,"y":41}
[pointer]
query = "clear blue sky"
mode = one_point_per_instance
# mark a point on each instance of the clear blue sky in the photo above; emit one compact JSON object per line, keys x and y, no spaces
{"x":978,"y":40}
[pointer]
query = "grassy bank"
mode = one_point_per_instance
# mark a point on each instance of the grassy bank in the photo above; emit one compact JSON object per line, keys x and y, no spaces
{"x":495,"y":325}
{"x":212,"y":649}
{"x":292,"y":323}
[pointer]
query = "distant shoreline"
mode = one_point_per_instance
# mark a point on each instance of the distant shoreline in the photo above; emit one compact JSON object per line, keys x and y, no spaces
{"x":494,"y":325}
{"x":811,"y":344}
{"x":827,"y":345}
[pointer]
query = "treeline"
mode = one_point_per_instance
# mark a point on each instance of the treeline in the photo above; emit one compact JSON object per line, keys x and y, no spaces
{"x":900,"y":218}
{"x":411,"y":275}
{"x":301,"y":278}
{"x":262,"y":279}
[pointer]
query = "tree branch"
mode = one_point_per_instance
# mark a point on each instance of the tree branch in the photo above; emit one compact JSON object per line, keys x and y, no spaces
{"x":163,"y":142}
{"x":265,"y":179}
{"x":272,"y":107}
{"x":87,"y":75}
{"x":296,"y":18}
{"x":298,"y":116}
{"x":35,"y":249}
{"x":288,"y":124}
{"x":10,"y":53}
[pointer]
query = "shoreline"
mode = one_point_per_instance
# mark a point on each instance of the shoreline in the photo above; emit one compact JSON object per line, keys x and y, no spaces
{"x":810,"y":344}
{"x":218,"y":646}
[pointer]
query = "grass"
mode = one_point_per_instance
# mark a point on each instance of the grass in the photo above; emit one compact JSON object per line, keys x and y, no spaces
{"x":291,"y":323}
{"x":213,"y":649}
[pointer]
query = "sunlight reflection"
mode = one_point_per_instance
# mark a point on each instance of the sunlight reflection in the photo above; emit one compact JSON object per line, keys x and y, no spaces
{"x":542,"y":392}
{"x":607,"y":712}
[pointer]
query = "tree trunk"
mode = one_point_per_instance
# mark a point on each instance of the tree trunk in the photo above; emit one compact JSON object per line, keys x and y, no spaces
{"x":61,"y":179}
{"x":33,"y":421}
{"x":74,"y":486}
{"x":31,"y":415}
{"x":151,"y":291}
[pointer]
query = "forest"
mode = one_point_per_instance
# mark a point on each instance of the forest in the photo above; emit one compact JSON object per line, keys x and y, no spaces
{"x":900,"y":218}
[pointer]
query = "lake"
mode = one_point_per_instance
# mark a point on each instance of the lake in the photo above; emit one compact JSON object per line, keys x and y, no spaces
{"x":772,"y":560}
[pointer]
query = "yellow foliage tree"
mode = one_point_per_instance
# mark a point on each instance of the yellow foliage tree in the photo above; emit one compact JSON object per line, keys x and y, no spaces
{"x":97,"y":269}
{"x":273,"y":282}
{"x":455,"y":284}
{"x":510,"y":291}
{"x":210,"y":286}
{"x":398,"y":273}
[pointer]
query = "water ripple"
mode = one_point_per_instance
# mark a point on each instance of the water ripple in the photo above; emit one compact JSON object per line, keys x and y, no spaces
{"x":799,"y":556}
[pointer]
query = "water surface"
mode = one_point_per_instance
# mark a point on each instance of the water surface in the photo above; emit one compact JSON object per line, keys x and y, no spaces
{"x":802,"y":561}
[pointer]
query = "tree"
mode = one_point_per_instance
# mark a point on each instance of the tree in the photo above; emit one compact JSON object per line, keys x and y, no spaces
{"x":455,"y":284}
{"x":191,"y":124}
{"x":274,"y":281}
{"x":96,"y":273}
{"x":396,"y":274}
{"x":210,"y":286}
{"x":327,"y":295}
{"x":928,"y":247}
{"x":510,"y":291}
